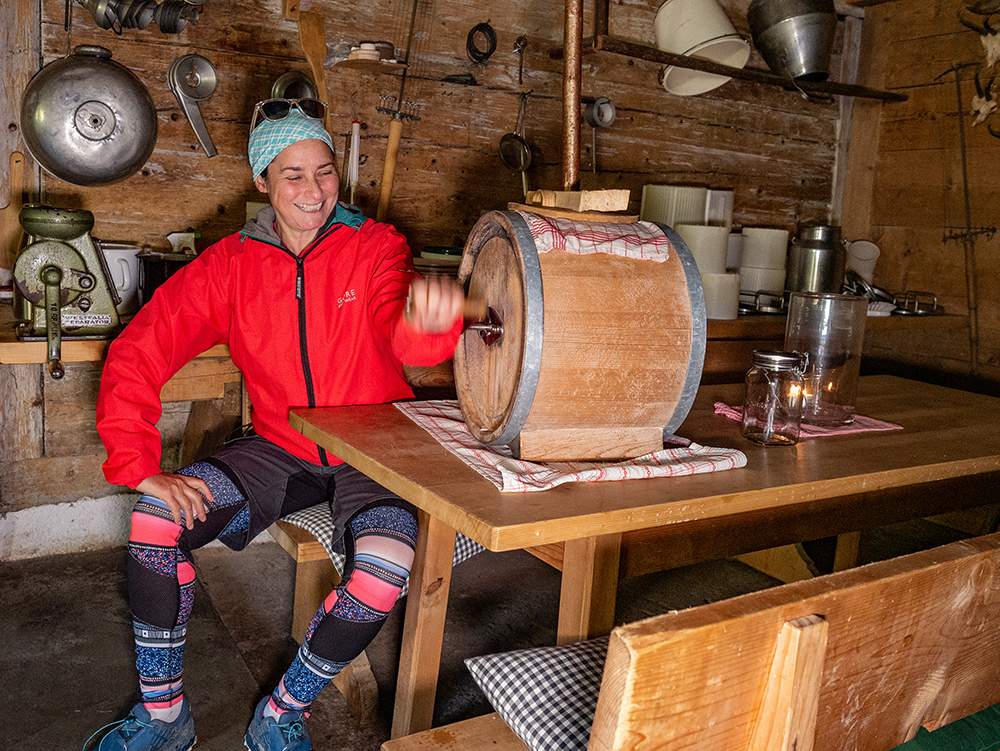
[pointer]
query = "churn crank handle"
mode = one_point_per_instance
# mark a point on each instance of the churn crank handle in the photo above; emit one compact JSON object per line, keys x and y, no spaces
{"x":51,"y":277}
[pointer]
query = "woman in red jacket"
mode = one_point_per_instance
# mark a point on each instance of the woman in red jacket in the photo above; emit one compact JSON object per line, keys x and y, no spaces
{"x":319,"y":307}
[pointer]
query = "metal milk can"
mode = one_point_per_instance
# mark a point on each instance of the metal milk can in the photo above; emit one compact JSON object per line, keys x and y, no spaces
{"x":817,"y":260}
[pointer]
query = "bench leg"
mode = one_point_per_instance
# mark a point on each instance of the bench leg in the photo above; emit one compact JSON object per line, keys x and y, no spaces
{"x":313,"y":582}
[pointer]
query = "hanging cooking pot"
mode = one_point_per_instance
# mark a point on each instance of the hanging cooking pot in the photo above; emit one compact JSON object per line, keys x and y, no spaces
{"x":88,"y":120}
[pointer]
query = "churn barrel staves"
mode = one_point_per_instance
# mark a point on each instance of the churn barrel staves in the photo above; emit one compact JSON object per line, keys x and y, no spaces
{"x":600,"y":355}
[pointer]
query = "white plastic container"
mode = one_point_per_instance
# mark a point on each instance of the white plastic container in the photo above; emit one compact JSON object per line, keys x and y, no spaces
{"x":123,"y":263}
{"x":722,"y":296}
{"x":673,"y":204}
{"x":756,"y":279}
{"x":720,"y":209}
{"x":707,"y":244}
{"x":765,"y":248}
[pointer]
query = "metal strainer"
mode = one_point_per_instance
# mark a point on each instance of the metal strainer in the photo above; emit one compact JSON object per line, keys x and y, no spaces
{"x":514,"y":150}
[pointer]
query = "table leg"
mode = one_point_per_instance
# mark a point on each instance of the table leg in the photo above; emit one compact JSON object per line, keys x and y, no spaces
{"x":589,"y":587}
{"x":423,"y":627}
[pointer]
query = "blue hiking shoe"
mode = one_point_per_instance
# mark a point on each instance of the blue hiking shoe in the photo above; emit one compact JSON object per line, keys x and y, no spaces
{"x":285,"y":734}
{"x":138,"y":732}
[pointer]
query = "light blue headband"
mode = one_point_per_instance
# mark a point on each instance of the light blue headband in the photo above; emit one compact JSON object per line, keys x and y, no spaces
{"x":271,"y":137}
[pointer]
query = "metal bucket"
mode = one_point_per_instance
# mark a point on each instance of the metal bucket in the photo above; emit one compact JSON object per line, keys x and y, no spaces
{"x":600,"y":355}
{"x":795,"y":37}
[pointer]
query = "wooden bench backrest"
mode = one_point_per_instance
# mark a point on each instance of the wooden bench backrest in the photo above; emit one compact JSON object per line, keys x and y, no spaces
{"x":855,"y":660}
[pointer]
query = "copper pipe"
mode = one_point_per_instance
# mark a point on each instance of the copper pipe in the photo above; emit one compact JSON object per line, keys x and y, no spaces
{"x":573,"y":46}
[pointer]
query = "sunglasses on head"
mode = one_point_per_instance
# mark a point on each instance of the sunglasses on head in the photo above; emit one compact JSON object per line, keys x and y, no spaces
{"x":278,"y":109}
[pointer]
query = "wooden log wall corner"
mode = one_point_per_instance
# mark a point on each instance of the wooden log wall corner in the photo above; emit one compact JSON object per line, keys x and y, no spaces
{"x":918,"y":178}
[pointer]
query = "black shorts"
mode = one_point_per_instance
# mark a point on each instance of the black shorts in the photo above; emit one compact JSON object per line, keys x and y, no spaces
{"x":276,"y":483}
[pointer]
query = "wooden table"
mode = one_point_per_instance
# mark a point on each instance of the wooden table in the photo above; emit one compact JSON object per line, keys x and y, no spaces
{"x":947,"y":457}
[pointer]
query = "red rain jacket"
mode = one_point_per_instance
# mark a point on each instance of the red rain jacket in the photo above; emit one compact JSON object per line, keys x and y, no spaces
{"x":320,"y":329}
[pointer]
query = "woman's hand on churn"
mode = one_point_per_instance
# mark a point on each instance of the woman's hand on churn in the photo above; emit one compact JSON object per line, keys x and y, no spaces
{"x":434,"y":304}
{"x":185,"y":496}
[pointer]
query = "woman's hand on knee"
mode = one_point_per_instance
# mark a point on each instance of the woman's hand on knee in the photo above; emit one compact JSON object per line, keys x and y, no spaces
{"x":185,"y":496}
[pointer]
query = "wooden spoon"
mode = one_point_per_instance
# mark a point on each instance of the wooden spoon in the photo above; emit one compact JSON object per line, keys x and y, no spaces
{"x":313,"y":41}
{"x":10,"y":228}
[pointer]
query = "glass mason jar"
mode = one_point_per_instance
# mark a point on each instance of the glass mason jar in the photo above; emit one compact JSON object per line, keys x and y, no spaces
{"x":772,"y":407}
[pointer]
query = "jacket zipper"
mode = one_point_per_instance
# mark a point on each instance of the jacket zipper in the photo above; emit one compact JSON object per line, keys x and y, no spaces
{"x":300,"y":297}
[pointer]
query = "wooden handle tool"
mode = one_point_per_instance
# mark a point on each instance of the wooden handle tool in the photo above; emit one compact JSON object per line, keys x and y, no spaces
{"x":313,"y":40}
{"x":10,"y":227}
{"x":389,"y":168}
{"x":474,"y":310}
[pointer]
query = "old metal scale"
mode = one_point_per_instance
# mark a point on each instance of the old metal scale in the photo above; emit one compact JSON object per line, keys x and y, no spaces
{"x":63,"y":284}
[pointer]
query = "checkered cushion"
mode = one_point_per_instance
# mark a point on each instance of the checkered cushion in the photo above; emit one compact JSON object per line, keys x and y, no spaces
{"x":547,"y":696}
{"x":318,"y":521}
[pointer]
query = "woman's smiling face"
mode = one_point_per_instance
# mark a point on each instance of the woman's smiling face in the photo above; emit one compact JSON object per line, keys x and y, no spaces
{"x":303,"y":186}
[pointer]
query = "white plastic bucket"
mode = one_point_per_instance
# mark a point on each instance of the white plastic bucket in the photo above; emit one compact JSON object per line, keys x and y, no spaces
{"x":697,"y":28}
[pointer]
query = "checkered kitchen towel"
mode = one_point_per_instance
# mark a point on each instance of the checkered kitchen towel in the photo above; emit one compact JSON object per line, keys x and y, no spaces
{"x":641,"y":240}
{"x":443,"y":420}
{"x":318,"y":521}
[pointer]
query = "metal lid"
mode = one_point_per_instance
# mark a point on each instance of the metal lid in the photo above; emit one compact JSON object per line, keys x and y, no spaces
{"x":88,"y":120}
{"x":775,"y":360}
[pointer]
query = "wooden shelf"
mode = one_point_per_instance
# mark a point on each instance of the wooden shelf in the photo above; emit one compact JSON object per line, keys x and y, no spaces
{"x":772,"y":326}
{"x":606,"y":43}
{"x":15,"y":352}
{"x":371,"y":66}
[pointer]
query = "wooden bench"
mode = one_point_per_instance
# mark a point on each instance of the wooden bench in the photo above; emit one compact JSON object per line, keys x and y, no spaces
{"x":859,"y":659}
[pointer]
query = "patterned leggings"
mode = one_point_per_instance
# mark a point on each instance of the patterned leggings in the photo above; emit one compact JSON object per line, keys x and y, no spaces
{"x":380,"y":540}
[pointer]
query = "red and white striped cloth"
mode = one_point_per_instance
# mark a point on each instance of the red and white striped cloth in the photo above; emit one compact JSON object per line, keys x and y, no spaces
{"x":641,"y":240}
{"x":861,"y":423}
{"x":443,"y":420}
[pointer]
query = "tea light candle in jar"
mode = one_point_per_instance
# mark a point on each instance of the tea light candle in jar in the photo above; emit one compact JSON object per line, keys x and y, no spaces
{"x":772,"y":407}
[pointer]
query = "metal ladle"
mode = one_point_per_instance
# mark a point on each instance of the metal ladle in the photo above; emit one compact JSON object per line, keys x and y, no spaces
{"x":192,"y":78}
{"x":514,"y":150}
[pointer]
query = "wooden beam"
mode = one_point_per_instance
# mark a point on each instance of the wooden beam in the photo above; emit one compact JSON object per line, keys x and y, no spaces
{"x":651,"y":54}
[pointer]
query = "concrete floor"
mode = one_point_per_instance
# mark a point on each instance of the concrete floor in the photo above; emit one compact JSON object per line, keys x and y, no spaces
{"x":67,"y":665}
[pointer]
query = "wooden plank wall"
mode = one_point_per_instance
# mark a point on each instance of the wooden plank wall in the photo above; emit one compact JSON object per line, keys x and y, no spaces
{"x":906,"y":190}
{"x":774,"y":148}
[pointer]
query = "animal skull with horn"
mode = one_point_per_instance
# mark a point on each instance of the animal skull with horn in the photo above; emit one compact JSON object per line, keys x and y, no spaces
{"x":989,"y":36}
{"x":983,"y":102}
